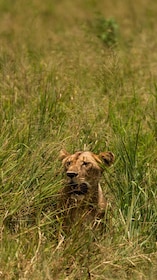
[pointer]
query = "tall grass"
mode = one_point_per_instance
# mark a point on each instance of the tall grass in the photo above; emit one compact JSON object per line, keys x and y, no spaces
{"x":60,"y":86}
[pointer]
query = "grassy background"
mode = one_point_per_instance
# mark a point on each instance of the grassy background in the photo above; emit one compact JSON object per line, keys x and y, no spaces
{"x":61,"y":86}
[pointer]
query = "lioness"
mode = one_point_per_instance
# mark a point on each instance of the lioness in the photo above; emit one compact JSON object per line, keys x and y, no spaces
{"x":82,"y":194}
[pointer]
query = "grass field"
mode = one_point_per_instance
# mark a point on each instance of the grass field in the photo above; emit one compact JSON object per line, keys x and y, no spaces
{"x":64,"y":84}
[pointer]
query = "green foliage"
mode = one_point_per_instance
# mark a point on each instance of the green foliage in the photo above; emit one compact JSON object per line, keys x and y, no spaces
{"x":106,"y":30}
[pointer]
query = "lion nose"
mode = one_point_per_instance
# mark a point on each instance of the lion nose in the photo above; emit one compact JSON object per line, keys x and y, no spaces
{"x":72,"y":174}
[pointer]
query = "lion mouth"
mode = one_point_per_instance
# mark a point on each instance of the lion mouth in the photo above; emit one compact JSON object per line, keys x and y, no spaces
{"x":79,"y":189}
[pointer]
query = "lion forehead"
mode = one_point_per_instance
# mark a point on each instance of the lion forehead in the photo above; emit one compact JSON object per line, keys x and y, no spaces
{"x":79,"y":157}
{"x":86,"y":156}
{"x":74,"y":157}
{"x":89,"y":157}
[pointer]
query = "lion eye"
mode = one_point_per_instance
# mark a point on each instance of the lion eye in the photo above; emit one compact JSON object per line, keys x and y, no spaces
{"x":85,"y":163}
{"x":68,"y":163}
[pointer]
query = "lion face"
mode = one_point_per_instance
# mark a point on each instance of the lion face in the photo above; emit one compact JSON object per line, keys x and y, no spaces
{"x":84,"y":170}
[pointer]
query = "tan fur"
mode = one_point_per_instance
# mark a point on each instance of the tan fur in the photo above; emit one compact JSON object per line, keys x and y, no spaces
{"x":82,"y":195}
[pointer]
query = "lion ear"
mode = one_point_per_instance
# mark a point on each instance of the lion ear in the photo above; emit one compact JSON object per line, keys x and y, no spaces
{"x":63,"y":154}
{"x":107,"y":158}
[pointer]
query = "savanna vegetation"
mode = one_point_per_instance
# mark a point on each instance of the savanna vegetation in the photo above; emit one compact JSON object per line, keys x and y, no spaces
{"x":77,"y":75}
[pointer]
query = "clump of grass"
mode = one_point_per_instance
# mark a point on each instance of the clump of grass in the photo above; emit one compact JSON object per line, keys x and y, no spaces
{"x":106,"y":30}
